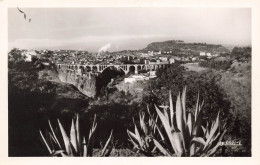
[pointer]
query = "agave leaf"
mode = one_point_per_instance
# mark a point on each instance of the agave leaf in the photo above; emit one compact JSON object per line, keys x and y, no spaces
{"x":157,"y":128}
{"x":91,"y":139}
{"x":57,"y":152}
{"x":155,"y":122}
{"x":197,"y":124}
{"x":84,"y":147}
{"x":138,"y":136}
{"x":190,"y":122}
{"x":193,"y":149}
{"x":199,"y":140}
{"x":215,"y":140}
{"x":45,"y":143}
{"x":214,"y":149}
{"x":212,"y":142}
{"x":52,"y":139}
{"x":54,"y":134}
{"x":197,"y":107}
{"x":180,"y":124}
{"x":167,"y":128}
{"x":78,"y":135}
{"x":167,"y":117}
{"x":160,"y":147}
{"x":171,"y":107}
{"x":94,"y":126}
{"x":202,"y":104}
{"x":131,"y":140}
{"x":63,"y":155}
{"x":153,"y":150}
{"x":203,"y":129}
{"x":207,"y":131}
{"x":142,"y":123}
{"x":103,"y":153}
{"x":73,"y":136}
{"x":212,"y":131}
{"x":132,"y":135}
{"x":179,"y":143}
{"x":179,"y":114}
{"x":183,"y":99}
{"x":65,"y":139}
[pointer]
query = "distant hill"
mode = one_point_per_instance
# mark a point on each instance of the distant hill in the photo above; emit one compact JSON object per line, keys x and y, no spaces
{"x":180,"y":47}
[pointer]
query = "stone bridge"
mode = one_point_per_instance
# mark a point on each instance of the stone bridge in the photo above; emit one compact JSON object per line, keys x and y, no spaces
{"x":99,"y":68}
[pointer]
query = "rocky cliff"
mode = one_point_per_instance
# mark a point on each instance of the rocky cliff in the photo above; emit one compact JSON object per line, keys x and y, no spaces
{"x":85,"y":84}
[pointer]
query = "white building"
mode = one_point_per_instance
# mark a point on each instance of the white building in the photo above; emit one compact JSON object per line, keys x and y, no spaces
{"x":172,"y":60}
{"x":135,"y":78}
{"x":194,"y":59}
{"x":163,"y":58}
{"x":202,"y":53}
{"x":140,"y":77}
{"x":150,"y":53}
{"x":29,"y":54}
{"x":152,"y":74}
{"x":209,"y":54}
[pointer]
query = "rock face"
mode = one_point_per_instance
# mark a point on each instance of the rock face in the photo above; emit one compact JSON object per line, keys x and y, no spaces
{"x":85,"y":84}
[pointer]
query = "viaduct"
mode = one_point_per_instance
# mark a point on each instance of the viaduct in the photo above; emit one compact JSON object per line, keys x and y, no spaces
{"x":99,"y":68}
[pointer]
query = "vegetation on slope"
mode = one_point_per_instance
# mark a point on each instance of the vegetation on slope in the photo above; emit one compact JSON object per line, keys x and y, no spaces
{"x":178,"y":47}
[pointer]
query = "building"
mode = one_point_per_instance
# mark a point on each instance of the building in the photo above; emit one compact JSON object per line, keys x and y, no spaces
{"x":163,"y":58}
{"x":202,"y":53}
{"x":152,"y":74}
{"x":172,"y":60}
{"x":135,"y":78}
{"x":29,"y":55}
{"x":194,"y":59}
{"x":150,"y":53}
{"x":209,"y":54}
{"x":129,"y":80}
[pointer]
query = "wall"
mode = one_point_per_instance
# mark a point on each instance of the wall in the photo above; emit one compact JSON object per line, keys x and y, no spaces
{"x":85,"y":84}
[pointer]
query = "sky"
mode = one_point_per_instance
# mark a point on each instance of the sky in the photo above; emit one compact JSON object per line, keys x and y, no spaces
{"x":125,"y":28}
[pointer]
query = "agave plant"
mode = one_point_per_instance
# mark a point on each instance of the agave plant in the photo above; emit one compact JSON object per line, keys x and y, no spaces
{"x":143,"y":140}
{"x":184,"y":134}
{"x":75,"y":145}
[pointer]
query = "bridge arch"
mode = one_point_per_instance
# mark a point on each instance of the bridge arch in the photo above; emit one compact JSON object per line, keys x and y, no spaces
{"x":116,"y":67}
{"x":94,"y":68}
{"x":82,"y":69}
{"x":88,"y":68}
{"x":132,"y":68}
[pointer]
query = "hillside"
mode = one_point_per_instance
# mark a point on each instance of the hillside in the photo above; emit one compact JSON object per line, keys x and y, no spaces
{"x":179,"y":47}
{"x":35,"y":95}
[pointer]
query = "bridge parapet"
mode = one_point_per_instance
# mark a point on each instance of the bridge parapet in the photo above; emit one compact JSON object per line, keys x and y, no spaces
{"x":99,"y":68}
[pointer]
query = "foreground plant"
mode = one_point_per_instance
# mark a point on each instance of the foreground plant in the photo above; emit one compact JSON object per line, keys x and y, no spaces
{"x":184,"y":133}
{"x":143,"y":139}
{"x":75,"y":145}
{"x":179,"y":132}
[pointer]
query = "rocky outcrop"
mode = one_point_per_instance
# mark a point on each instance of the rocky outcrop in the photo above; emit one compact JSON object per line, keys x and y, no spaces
{"x":85,"y":84}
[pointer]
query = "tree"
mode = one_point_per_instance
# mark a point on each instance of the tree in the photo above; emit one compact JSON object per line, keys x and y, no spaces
{"x":241,"y":53}
{"x":175,"y":78}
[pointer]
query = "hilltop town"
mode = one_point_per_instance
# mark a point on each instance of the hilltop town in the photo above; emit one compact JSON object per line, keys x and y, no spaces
{"x":158,"y":52}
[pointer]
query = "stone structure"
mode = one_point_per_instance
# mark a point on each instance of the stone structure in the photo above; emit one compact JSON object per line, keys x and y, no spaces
{"x":99,"y":68}
{"x":84,"y":77}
